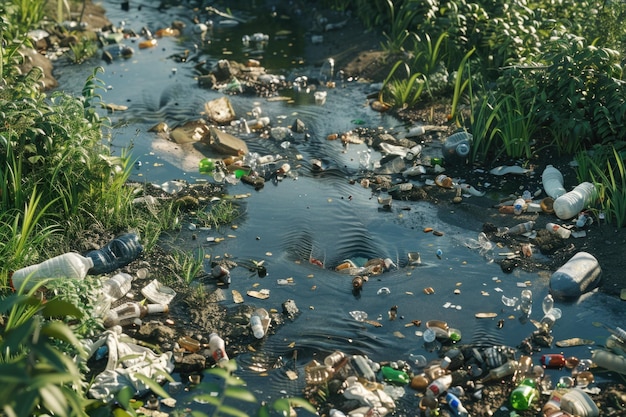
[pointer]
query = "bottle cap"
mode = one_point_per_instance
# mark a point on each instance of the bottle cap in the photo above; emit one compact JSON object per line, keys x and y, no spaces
{"x":158,"y":308}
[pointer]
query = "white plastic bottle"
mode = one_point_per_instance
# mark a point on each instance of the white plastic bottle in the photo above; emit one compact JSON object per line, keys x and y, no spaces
{"x":577,"y":276}
{"x":572,"y":203}
{"x":218,"y":349}
{"x":552,"y":181}
{"x":519,"y":206}
{"x":128,"y":313}
{"x":69,"y":265}
{"x":560,"y":231}
{"x":257,"y":326}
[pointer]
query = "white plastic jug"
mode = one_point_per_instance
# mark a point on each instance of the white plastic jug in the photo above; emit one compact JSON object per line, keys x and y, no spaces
{"x":577,"y":276}
{"x":572,"y":203}
{"x":69,"y":265}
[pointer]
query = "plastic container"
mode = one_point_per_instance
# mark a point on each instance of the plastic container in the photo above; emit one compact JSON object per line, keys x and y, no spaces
{"x":217,"y":348}
{"x":189,"y":344}
{"x":257,"y":326}
{"x":570,"y":204}
{"x":526,"y":301}
{"x":394,"y":376}
{"x":456,"y":148}
{"x":548,"y":320}
{"x":456,"y":406}
{"x":577,"y":402}
{"x":501,"y":371}
{"x":439,"y":385}
{"x":68,"y":265}
{"x":553,"y":360}
{"x":547,"y":303}
{"x":558,"y":230}
{"x":524,"y":395}
{"x":577,"y":276}
{"x":552,"y":181}
{"x":117,"y":286}
{"x":117,"y":253}
{"x":128,"y":313}
{"x":609,"y":360}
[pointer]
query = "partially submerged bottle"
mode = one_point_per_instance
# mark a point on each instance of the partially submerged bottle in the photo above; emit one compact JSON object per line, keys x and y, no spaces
{"x":117,"y":253}
{"x":218,"y":349}
{"x":68,"y":265}
{"x":456,"y":147}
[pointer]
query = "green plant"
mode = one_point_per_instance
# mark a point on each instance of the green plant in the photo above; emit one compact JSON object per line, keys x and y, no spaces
{"x":401,"y":15}
{"x":605,"y":167}
{"x":37,"y":377}
{"x":82,"y":50}
{"x":227,"y":395}
{"x":516,"y":126}
{"x":460,"y":85}
{"x":187,"y":265}
{"x":483,"y":119}
{"x":221,"y":212}
{"x":400,"y":91}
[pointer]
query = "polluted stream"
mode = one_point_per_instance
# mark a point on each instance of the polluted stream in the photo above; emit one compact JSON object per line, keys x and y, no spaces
{"x":313,"y":220}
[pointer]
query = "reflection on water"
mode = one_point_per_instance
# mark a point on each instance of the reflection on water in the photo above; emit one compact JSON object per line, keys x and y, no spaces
{"x":323,"y":215}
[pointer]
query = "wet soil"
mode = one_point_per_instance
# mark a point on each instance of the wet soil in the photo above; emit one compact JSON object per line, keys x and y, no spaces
{"x":357,"y":52}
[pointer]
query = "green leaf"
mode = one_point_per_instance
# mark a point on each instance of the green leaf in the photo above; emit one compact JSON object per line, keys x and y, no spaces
{"x":60,"y":308}
{"x":59,"y":330}
{"x":53,"y":399}
{"x":153,"y":385}
{"x":241,"y":394}
{"x":232,"y":411}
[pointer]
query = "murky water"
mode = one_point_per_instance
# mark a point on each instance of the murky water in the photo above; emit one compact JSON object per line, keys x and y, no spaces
{"x":319,"y":215}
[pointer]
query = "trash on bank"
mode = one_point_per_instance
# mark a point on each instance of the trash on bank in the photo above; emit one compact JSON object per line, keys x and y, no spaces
{"x":126,"y":362}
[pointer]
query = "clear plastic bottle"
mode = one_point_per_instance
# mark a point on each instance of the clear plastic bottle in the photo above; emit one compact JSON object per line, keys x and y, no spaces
{"x":68,"y":265}
{"x":570,"y":204}
{"x":552,"y":181}
{"x":117,"y":253}
{"x":548,"y":320}
{"x":509,"y":368}
{"x":117,"y":286}
{"x":526,"y":302}
{"x":127,"y":313}
{"x":547,"y":303}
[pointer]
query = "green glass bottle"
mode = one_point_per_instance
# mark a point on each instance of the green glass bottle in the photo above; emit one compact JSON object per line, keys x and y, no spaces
{"x":394,"y":376}
{"x":524,"y":394}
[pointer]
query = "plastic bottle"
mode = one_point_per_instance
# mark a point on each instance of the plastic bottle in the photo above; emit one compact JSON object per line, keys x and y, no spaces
{"x":117,"y":286}
{"x":509,"y":368}
{"x":218,"y":349}
{"x":553,"y":360}
{"x":577,"y":276}
{"x":395,"y":376}
{"x":552,"y":181}
{"x":572,"y":203}
{"x":362,"y":367}
{"x":609,"y":360}
{"x":206,"y":166}
{"x":547,"y":303}
{"x":127,"y":313}
{"x":189,"y":343}
{"x":414,"y":152}
{"x":577,"y":402}
{"x":526,"y":301}
{"x":439,"y":385}
{"x":524,"y":395}
{"x":518,"y":229}
{"x":117,"y":253}
{"x":456,"y":406}
{"x":452,"y":359}
{"x":444,"y":181}
{"x":257,"y":326}
{"x":558,"y":230}
{"x":554,"y":402}
{"x":456,"y":148}
{"x":548,"y":320}
{"x":518,"y":206}
{"x":334,"y":358}
{"x":68,"y":265}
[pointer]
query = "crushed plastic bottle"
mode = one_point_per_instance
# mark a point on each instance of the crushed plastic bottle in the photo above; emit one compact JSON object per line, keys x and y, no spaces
{"x":119,"y":252}
{"x":359,"y":315}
